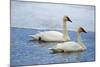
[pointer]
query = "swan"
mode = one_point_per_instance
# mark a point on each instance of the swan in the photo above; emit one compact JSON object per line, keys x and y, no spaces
{"x":71,"y":46}
{"x":54,"y":35}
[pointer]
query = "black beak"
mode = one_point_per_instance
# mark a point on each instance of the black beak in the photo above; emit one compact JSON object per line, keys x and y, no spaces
{"x":69,"y":19}
{"x":83,"y":30}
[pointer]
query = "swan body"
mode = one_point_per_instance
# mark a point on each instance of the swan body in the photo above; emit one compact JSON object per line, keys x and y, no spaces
{"x":68,"y":46}
{"x":71,"y":45}
{"x":49,"y":36}
{"x":54,"y":35}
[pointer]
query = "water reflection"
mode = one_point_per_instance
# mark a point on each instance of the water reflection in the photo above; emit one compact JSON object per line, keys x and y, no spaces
{"x":62,"y":57}
{"x":43,"y":44}
{"x":69,"y":57}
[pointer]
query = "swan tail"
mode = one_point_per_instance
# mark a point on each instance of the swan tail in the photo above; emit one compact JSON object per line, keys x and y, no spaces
{"x":56,"y":50}
{"x":33,"y":36}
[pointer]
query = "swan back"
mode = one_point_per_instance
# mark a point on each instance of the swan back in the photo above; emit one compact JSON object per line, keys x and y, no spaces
{"x":49,"y":36}
{"x":52,"y":36}
{"x":68,"y":46}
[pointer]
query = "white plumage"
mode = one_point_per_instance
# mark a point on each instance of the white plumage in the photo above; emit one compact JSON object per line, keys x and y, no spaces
{"x":49,"y":36}
{"x":68,"y":46}
{"x":54,"y":35}
{"x":71,"y":45}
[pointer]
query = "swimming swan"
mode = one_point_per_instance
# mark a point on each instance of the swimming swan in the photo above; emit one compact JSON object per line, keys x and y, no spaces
{"x":54,"y":35}
{"x":71,"y":45}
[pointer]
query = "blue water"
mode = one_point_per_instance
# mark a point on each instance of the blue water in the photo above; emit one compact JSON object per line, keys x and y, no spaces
{"x":25,"y":51}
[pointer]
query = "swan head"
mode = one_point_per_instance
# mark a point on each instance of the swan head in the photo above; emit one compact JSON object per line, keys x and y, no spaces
{"x":81,"y":30}
{"x":66,"y":18}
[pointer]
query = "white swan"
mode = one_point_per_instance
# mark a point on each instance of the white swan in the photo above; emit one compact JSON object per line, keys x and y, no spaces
{"x":54,"y":35}
{"x":71,"y":45}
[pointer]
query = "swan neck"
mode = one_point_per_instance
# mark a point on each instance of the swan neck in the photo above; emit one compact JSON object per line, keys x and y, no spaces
{"x":79,"y":40}
{"x":65,"y":31}
{"x":79,"y":37}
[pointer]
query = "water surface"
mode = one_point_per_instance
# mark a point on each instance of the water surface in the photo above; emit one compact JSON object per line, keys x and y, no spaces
{"x":24,"y":51}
